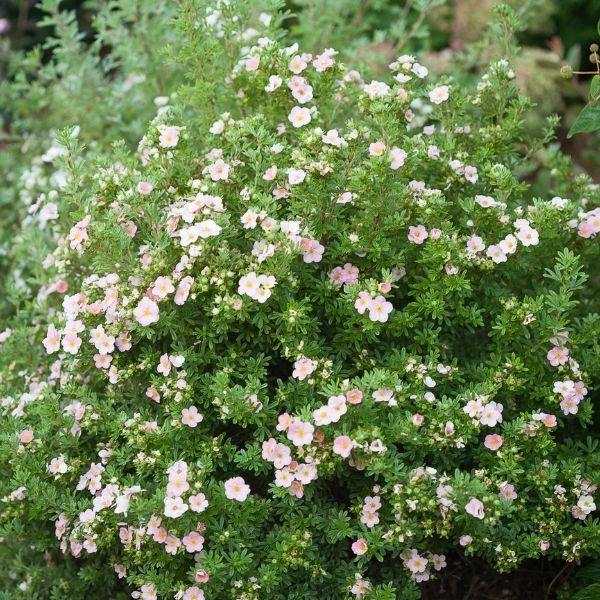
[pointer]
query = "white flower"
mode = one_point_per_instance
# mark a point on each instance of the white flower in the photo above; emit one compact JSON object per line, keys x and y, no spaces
{"x":299,"y":116}
{"x":439,"y":94}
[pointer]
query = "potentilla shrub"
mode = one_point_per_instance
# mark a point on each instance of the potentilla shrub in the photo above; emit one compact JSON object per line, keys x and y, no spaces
{"x":307,"y":349}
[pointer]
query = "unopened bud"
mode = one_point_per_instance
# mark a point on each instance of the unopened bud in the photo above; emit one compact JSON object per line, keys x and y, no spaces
{"x":566,"y":72}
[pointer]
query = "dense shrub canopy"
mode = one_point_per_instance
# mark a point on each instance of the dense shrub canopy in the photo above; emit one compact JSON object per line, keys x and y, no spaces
{"x":312,"y":335}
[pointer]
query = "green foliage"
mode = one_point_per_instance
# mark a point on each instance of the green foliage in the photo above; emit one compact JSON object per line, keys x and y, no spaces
{"x":275,"y":330}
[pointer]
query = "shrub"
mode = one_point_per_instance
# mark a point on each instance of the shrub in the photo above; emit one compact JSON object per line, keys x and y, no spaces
{"x":314,"y":334}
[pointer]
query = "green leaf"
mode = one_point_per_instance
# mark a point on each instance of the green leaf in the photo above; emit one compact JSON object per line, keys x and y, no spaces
{"x":594,"y":93}
{"x":592,"y":592}
{"x":598,"y":26}
{"x":587,"y":121}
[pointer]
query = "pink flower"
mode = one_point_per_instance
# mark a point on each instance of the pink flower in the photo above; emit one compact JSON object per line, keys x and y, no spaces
{"x":485,"y":201}
{"x":71,"y":343}
{"x":164,"y":365}
{"x":193,"y":593}
{"x":198,"y":503}
{"x":379,"y":309}
{"x":146,"y":312}
{"x":26,"y":436}
{"x":507,"y":492}
{"x":299,"y":116}
{"x":252,"y":63}
{"x":417,"y":420}
{"x":303,"y":367}
{"x":191,"y":417}
{"x":201,"y":576}
{"x":193,"y":542}
{"x":236,"y":489}
{"x":300,"y":433}
{"x":558,"y":356}
{"x":57,"y":465}
{"x":493,"y":441}
{"x":475,"y":508}
{"x":397,"y":158}
{"x":360,"y":547}
{"x":144,"y":187}
{"x":52,"y":340}
{"x":416,"y":564}
{"x":417,"y":234}
{"x":363,"y":302}
{"x":296,"y":176}
{"x":169,"y":137}
{"x":343,"y":445}
{"x":219,"y":170}
{"x":174,"y":507}
{"x":162,"y":287}
{"x":496,"y":253}
{"x":439,"y":94}
{"x":354,"y":396}
{"x":172,"y":544}
{"x":313,"y":251}
{"x":528,"y":236}
{"x":376,"y":148}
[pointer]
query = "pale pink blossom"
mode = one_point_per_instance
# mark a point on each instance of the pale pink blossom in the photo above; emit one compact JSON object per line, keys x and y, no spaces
{"x":193,"y":542}
{"x":191,"y":417}
{"x":146,"y":312}
{"x":493,"y":441}
{"x":475,"y":508}
{"x":417,"y":234}
{"x":236,"y":489}
{"x":342,"y":445}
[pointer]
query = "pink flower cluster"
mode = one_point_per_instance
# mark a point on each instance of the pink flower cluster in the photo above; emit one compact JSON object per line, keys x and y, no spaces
{"x":379,"y":308}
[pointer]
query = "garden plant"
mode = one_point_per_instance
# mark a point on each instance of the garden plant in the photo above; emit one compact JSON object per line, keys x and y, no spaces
{"x":278,"y":329}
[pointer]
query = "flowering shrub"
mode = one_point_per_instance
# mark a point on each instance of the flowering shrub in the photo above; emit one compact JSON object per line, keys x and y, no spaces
{"x":312,"y":336}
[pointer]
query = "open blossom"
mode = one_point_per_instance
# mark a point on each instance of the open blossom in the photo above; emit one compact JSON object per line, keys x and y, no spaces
{"x":496,"y":254}
{"x":558,"y":356}
{"x":491,"y":414}
{"x":376,"y":148}
{"x":379,"y":309}
{"x":303,"y":367}
{"x":252,"y":63}
{"x":397,"y":158}
{"x":485,"y":201}
{"x":296,"y":176}
{"x":146,"y":312}
{"x":417,"y":234}
{"x":144,"y":187}
{"x":52,"y":340}
{"x":57,"y":465}
{"x":416,"y":563}
{"x":347,"y":274}
{"x":528,"y":236}
{"x":300,"y":433}
{"x":507,"y":492}
{"x":475,"y":244}
{"x":162,"y":287}
{"x":193,"y":593}
{"x":342,"y":445}
{"x":71,"y":343}
{"x":174,"y":507}
{"x":193,"y":542}
{"x":169,"y":136}
{"x":439,"y":94}
{"x":219,"y":170}
{"x":258,"y":287}
{"x":236,"y":489}
{"x":475,"y":508}
{"x":360,"y":547}
{"x":299,"y":116}
{"x":190,"y":416}
{"x":198,"y":503}
{"x":493,"y":441}
{"x":26,"y":436}
{"x":312,"y":250}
